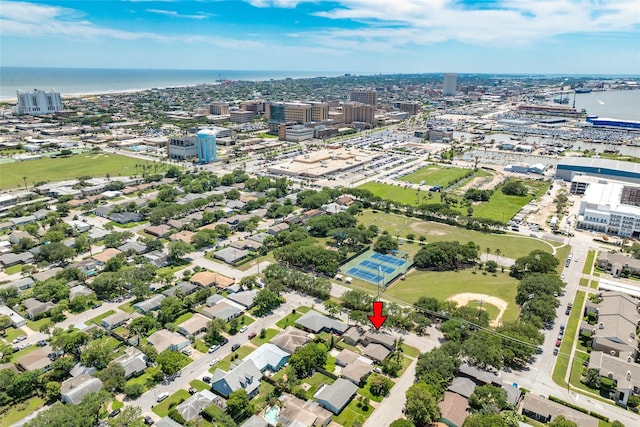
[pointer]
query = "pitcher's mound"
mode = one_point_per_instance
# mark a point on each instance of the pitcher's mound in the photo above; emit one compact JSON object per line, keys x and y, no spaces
{"x":464,"y":299}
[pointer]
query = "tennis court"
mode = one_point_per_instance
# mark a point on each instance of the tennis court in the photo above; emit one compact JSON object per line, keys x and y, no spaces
{"x":375,"y":268}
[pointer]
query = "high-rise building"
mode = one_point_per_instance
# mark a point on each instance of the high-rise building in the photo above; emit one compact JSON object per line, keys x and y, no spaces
{"x":449,"y":85}
{"x":298,"y":112}
{"x":319,"y":111}
{"x":219,"y":108}
{"x":240,"y":116}
{"x":358,"y":112}
{"x":408,"y":107}
{"x":39,"y":102}
{"x":365,"y":96}
{"x":275,"y":111}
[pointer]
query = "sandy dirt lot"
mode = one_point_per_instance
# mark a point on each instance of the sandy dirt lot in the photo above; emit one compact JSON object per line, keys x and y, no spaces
{"x":464,"y":298}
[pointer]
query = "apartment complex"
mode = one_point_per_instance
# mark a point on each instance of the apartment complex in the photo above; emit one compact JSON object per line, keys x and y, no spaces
{"x":38,"y":102}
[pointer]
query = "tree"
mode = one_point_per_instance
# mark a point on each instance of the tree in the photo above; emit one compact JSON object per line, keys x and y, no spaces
{"x":483,"y":349}
{"x":443,"y":256}
{"x":561,"y":421}
{"x":170,"y":309}
{"x":112,"y":377}
{"x":491,"y":266}
{"x":177,"y":249}
{"x":130,"y":416}
{"x":484,"y":420}
{"x":488,"y":400}
{"x":142,"y":325}
{"x":421,"y":407}
{"x":513,"y":187}
{"x":69,"y":342}
{"x":266,"y":301}
{"x":380,"y":385}
{"x":537,"y":261}
{"x":170,"y":362}
{"x":592,"y":378}
{"x":52,"y":390}
{"x":519,"y":341}
{"x":385,"y":244}
{"x":97,"y":354}
{"x":134,"y":390}
{"x":305,"y":359}
{"x":214,"y":331}
{"x":333,"y":308}
{"x":238,"y":403}
{"x":54,"y":252}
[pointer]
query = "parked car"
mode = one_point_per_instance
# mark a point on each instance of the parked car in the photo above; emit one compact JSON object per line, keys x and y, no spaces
{"x":213,"y":348}
{"x":148,"y":420}
{"x":214,"y":361}
{"x":243,"y":329}
{"x":206,"y":379}
{"x":252,"y":335}
{"x":186,"y":351}
{"x":555,"y":351}
{"x":567,"y":311}
{"x":114,"y":412}
{"x":162,"y":396}
{"x":558,"y":343}
{"x":235,"y":347}
{"x":193,"y":390}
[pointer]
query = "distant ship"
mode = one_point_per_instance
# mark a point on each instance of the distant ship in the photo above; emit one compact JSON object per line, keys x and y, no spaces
{"x":583,"y":90}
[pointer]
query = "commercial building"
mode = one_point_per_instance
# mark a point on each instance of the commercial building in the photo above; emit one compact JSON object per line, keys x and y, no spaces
{"x":319,"y":111}
{"x":275,"y":111}
{"x":408,"y":107}
{"x":358,"y":112}
{"x":39,"y":102}
{"x":182,"y":148}
{"x":596,"y":121}
{"x":364,"y":96}
{"x":323,"y":163}
{"x":219,"y":108}
{"x":449,"y":84}
{"x":297,"y":133}
{"x":241,"y":116}
{"x":570,"y":167}
{"x":611,"y":207}
{"x":297,"y":112}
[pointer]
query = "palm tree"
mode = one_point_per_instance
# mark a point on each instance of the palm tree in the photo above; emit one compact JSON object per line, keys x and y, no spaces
{"x":497,"y":254}
{"x":24,"y":178}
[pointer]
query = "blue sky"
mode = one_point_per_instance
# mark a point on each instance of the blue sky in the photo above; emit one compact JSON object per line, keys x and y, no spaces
{"x":356,"y":36}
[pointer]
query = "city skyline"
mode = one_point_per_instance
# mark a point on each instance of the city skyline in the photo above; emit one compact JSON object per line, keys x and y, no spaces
{"x":414,"y":36}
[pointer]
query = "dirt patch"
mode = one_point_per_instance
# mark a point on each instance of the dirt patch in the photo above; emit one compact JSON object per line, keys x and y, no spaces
{"x":424,"y":229}
{"x":464,"y":299}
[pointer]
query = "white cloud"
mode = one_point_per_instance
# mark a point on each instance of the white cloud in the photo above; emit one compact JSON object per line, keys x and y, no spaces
{"x":36,"y":20}
{"x":175,"y":14}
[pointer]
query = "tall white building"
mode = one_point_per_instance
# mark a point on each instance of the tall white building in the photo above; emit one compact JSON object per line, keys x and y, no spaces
{"x":450,"y":83}
{"x":39,"y":102}
{"x":611,"y":207}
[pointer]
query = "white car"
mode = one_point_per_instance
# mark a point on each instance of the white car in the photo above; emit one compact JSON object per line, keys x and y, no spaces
{"x":564,"y":276}
{"x":214,"y":361}
{"x":243,"y":329}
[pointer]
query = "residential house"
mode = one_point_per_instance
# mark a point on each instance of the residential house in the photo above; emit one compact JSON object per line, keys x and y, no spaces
{"x":184,"y":236}
{"x":206,"y":279}
{"x":103,"y":211}
{"x":345,"y":357}
{"x":79,"y":291}
{"x":316,"y":322}
{"x":36,"y":309}
{"x":150,"y":304}
{"x":11,"y":259}
{"x":377,"y":352}
{"x":214,"y":299}
{"x":376,"y":337}
{"x":158,"y":230}
{"x":135,"y":247}
{"x":194,"y":326}
{"x":335,"y":397}
{"x":23,"y":283}
{"x":195,"y":404}
{"x":167,"y":422}
{"x":16,"y":320}
{"x":298,"y":412}
{"x":163,"y":340}
{"x":37,"y":360}
{"x":624,"y":372}
{"x":231,"y":255}
{"x":244,"y":298}
{"x":357,"y":371}
{"x":45,"y":275}
{"x":104,"y":256}
{"x":74,"y":389}
{"x":255,"y":421}
{"x":277,"y":228}
{"x":125,"y":217}
{"x":544,"y":411}
{"x":454,"y":409}
{"x":184,"y":289}
{"x":290,"y":339}
{"x":269,"y":357}
{"x":246,"y":375}
{"x":225,"y":310}
{"x":249,"y":245}
{"x":133,"y":361}
{"x":117,"y":319}
{"x":615,"y":263}
{"x":89,"y":266}
{"x":18,"y":235}
{"x":157,"y":258}
{"x":353,"y":335}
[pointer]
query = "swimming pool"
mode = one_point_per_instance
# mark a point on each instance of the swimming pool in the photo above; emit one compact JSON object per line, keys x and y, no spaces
{"x":271,"y":415}
{"x":137,"y":148}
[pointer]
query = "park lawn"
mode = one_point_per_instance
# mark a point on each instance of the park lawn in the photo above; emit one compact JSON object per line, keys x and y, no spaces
{"x":588,"y":263}
{"x":316,"y":381}
{"x":13,"y":269}
{"x":269,"y":333}
{"x":510,"y":245}
{"x":491,"y":309}
{"x":126,"y":307}
{"x":183,"y":318}
{"x":199,"y":385}
{"x":225,"y":363}
{"x":172,"y":269}
{"x":162,"y":408}
{"x":61,"y":168}
{"x":98,"y":319}
{"x":366,"y":390}
{"x":564,"y":354}
{"x":444,"y":284}
{"x":352,"y":415}
{"x":395,"y":193}
{"x":21,"y":410}
{"x":501,"y":207}
{"x":435,"y":175}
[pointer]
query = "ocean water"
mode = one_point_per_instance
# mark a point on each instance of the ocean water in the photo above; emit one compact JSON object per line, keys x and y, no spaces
{"x":621,"y":104}
{"x":70,"y":81}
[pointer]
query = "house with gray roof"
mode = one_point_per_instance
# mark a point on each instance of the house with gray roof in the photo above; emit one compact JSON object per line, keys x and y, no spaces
{"x":23,"y":283}
{"x":184,"y":288}
{"x":225,"y":310}
{"x":133,"y":361}
{"x":166,"y":340}
{"x":79,"y":290}
{"x":231,"y":255}
{"x":35,"y":308}
{"x":269,"y":357}
{"x":246,"y":375}
{"x":193,"y":326}
{"x":357,"y":371}
{"x":116,"y":319}
{"x":150,"y":304}
{"x":157,"y":258}
{"x":290,"y":339}
{"x":46,"y":274}
{"x":167,"y":422}
{"x":244,"y":298}
{"x":376,"y":351}
{"x":136,"y":247}
{"x":11,"y":259}
{"x":381,"y":338}
{"x":214,"y":299}
{"x":255,"y":421}
{"x":75,"y":389}
{"x":194,"y":405}
{"x":318,"y":322}
{"x":336,"y":396}
{"x":624,"y":372}
{"x":544,"y":411}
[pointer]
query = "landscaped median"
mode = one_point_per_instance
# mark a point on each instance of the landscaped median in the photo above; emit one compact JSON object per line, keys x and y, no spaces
{"x":588,"y":263}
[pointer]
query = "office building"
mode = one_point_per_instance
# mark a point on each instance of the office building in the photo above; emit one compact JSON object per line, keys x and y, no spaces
{"x":408,"y":107}
{"x":39,"y":102}
{"x":365,"y":96}
{"x":319,"y":111}
{"x":182,"y":148}
{"x":358,"y":112}
{"x":449,"y":85}
{"x":275,"y":111}
{"x":611,"y":207}
{"x":297,"y":112}
{"x":240,"y":116}
{"x":206,"y":146}
{"x":219,"y":108}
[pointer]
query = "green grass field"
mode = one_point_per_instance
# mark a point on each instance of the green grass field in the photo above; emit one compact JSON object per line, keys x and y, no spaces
{"x":435,"y":175}
{"x":400,"y":194}
{"x":511,"y":246}
{"x":491,"y":309}
{"x":444,"y":284}
{"x":58,"y":169}
{"x":162,"y":408}
{"x":352,"y":414}
{"x":269,"y":333}
{"x":21,"y":410}
{"x":225,"y":363}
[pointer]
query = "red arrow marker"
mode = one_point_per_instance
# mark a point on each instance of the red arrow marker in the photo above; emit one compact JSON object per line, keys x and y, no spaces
{"x":377,"y":319}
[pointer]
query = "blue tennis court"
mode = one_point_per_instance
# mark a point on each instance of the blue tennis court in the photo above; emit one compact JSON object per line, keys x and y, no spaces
{"x":363,"y":274}
{"x":388,"y":259}
{"x":375,"y":266}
